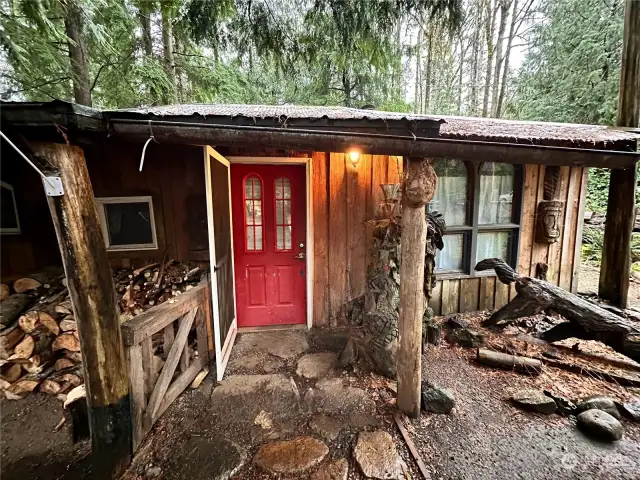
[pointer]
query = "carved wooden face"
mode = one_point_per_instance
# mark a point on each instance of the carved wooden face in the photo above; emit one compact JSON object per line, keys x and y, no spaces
{"x":548,"y":228}
{"x":420,"y":184}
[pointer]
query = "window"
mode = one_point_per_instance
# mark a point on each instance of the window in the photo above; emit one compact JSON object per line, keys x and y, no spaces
{"x":127,"y":223}
{"x":9,"y":221}
{"x":481,"y":207}
{"x":253,"y":213}
{"x":283,"y":214}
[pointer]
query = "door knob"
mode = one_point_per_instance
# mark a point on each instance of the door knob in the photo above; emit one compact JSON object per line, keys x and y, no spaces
{"x":299,"y":256}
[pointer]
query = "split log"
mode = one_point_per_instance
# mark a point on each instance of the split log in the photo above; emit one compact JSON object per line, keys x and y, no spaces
{"x":66,"y":341}
{"x":12,"y":307}
{"x":11,"y":372}
{"x":64,"y":308}
{"x":534,"y":296}
{"x":4,"y":385}
{"x":509,"y":362}
{"x":49,"y":387}
{"x":68,"y":324}
{"x":24,"y":349}
{"x":23,"y":386}
{"x":5,"y":291}
{"x":25,"y":284}
{"x":30,"y":320}
{"x":63,"y":363}
{"x":9,"y":338}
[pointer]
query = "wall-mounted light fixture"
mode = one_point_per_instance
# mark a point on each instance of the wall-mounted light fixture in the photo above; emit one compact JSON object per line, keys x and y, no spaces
{"x":354,"y":156}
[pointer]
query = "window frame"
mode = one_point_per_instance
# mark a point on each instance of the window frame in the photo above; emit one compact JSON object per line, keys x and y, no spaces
{"x":470,"y":232}
{"x":244,"y":214}
{"x":102,"y":216}
{"x":17,"y":230}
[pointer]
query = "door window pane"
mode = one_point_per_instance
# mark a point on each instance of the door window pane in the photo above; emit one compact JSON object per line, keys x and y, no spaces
{"x":450,"y":198}
{"x":283,"y":214}
{"x":496,"y":193}
{"x":253,"y":213}
{"x":493,"y":245}
{"x":450,"y":257}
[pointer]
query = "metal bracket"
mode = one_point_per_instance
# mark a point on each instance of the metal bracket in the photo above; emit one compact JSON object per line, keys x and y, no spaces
{"x":53,"y":186}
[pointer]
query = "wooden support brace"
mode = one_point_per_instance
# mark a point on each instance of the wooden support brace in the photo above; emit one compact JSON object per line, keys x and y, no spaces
{"x":86,"y":265}
{"x":419,"y":187}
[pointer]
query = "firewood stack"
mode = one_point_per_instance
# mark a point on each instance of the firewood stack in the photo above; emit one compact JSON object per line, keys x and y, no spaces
{"x":39,"y":343}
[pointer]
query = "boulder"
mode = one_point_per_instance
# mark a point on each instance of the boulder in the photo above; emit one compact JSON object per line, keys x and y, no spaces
{"x":465,"y":337}
{"x":436,"y":400}
{"x":565,"y":406}
{"x":630,"y":410}
{"x":534,"y":401}
{"x":376,"y":455}
{"x":600,"y":425}
{"x":337,"y":470}
{"x":291,"y":456}
{"x":316,"y":365}
{"x":600,"y":402}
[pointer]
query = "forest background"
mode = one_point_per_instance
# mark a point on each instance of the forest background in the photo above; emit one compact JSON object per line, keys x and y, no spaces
{"x":550,"y":60}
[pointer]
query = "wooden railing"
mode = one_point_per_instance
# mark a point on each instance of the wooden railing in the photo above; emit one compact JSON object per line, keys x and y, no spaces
{"x":151,"y":392}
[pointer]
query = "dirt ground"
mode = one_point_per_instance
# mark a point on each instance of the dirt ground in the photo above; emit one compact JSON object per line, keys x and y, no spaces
{"x":204,"y":432}
{"x":589,"y":276}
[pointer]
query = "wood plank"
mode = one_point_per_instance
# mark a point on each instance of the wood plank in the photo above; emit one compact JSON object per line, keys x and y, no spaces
{"x":555,"y":249}
{"x":158,"y":317}
{"x":201,"y":332}
{"x":539,"y":251}
{"x":502,"y":294}
{"x":170,"y":364}
{"x":527,"y":222}
{"x":450,"y":296}
{"x":395,"y":168}
{"x":570,"y":223}
{"x":136,"y":389}
{"x":577,"y":249}
{"x":319,"y":186}
{"x":358,"y":190}
{"x":469,"y":293}
{"x":177,"y":387}
{"x":436,"y":298}
{"x":337,"y":238}
{"x":487,"y":293}
{"x":168,"y":335}
{"x":150,"y":375}
{"x":208,"y":316}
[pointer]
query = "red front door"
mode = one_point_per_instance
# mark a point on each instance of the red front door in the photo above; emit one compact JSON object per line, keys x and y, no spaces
{"x":269,"y":240}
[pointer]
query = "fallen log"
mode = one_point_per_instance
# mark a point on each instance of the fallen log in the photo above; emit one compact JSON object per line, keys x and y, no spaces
{"x":534,"y":296}
{"x":509,"y":362}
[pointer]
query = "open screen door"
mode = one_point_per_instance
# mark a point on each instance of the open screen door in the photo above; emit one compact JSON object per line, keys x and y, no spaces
{"x":218,"y":181}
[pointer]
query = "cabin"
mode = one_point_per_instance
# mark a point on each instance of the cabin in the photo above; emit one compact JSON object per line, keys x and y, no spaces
{"x":275,"y":200}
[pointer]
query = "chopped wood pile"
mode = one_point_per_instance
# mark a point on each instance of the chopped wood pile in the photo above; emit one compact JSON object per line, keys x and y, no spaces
{"x":39,"y":342}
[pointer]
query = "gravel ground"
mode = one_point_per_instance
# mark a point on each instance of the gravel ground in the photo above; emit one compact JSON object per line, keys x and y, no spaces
{"x":589,"y":276}
{"x":488,"y":438}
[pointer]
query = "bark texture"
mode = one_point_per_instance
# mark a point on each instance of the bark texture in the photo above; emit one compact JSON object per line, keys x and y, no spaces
{"x":78,"y":52}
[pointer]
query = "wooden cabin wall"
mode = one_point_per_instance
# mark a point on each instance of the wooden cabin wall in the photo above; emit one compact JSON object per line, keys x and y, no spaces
{"x":563,"y":257}
{"x":344,"y":199}
{"x":36,"y":246}
{"x":174,"y":177}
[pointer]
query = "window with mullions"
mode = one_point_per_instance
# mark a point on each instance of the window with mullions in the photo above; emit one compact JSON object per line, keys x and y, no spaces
{"x":283,"y":214}
{"x":253,"y":213}
{"x":481,"y":207}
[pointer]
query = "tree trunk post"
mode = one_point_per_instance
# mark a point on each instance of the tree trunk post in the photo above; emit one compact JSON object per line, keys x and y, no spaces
{"x":419,"y":186}
{"x":90,"y":284}
{"x":616,"y":251}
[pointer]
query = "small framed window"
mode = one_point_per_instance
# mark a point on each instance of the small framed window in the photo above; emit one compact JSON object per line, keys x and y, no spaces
{"x":127,"y":223}
{"x":481,"y":205}
{"x":284,"y":222}
{"x":253,"y":238}
{"x":9,"y":221}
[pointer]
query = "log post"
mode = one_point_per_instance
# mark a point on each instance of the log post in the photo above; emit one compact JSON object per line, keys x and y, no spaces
{"x":616,"y":250}
{"x":418,"y":189}
{"x":92,"y":293}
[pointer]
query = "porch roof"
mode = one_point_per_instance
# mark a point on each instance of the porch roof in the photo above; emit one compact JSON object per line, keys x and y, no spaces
{"x":340,"y":128}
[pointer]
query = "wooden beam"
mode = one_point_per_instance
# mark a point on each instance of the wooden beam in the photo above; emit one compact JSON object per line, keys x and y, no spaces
{"x":616,"y":250}
{"x":93,"y":296}
{"x":419,"y":187}
{"x":166,"y":132}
